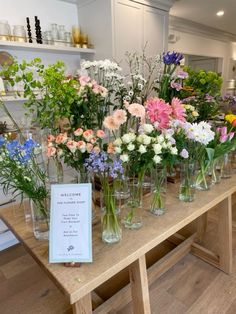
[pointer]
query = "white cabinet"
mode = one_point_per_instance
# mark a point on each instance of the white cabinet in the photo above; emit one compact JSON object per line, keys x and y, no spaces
{"x":117,"y":26}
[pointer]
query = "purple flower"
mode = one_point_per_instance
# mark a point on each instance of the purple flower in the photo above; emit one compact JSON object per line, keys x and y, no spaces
{"x":188,"y":99}
{"x":181,"y":74}
{"x":172,"y":58}
{"x":101,"y":164}
{"x":184,"y":153}
{"x":2,"y":140}
{"x":209,"y":98}
{"x":176,"y":85}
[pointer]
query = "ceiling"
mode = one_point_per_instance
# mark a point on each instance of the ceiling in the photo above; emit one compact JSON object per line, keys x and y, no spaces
{"x":204,"y":12}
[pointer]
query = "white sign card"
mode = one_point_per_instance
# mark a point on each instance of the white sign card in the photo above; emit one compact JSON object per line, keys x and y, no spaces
{"x":70,"y":238}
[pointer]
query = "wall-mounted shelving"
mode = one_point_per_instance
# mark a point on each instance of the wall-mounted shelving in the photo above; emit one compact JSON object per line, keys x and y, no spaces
{"x":44,"y":48}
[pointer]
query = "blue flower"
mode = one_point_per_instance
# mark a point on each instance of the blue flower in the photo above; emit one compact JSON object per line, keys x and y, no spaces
{"x":172,"y":58}
{"x":2,"y":140}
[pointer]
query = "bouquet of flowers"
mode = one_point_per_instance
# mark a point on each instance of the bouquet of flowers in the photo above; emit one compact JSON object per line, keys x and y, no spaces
{"x":106,"y":168}
{"x":75,"y":148}
{"x":20,"y":174}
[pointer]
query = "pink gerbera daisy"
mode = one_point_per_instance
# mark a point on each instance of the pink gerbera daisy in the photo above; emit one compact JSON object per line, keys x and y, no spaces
{"x":158,"y":112}
{"x":178,"y":111}
{"x":110,"y":123}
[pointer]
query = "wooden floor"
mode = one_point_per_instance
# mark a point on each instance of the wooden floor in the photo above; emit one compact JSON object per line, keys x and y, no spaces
{"x":191,"y":286}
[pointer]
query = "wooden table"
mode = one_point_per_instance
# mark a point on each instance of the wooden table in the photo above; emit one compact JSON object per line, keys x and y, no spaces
{"x":79,"y":283}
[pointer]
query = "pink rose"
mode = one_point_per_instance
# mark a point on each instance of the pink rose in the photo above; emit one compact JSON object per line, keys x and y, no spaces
{"x":61,"y":138}
{"x":88,"y":135}
{"x":72,"y":145}
{"x":51,"y":138}
{"x":89,"y":147}
{"x":51,"y":151}
{"x":96,"y":149}
{"x":78,"y":132}
{"x":100,"y":133}
{"x":81,"y":146}
{"x":93,"y":140}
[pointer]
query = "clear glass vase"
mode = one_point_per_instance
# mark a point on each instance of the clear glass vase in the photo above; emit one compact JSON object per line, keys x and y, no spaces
{"x":203,"y":180}
{"x":54,"y":170}
{"x":187,"y":176}
{"x":110,"y":220}
{"x":216,"y":170}
{"x":226,"y":166}
{"x":158,"y":197}
{"x":40,"y":210}
{"x":132,"y":216}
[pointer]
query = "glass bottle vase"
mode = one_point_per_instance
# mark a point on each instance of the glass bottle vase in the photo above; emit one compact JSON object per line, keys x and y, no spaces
{"x":186,"y":188}
{"x":226,"y":166}
{"x":132,"y":217}
{"x":40,"y":210}
{"x":203,"y":180}
{"x":110,"y":220}
{"x":158,"y":197}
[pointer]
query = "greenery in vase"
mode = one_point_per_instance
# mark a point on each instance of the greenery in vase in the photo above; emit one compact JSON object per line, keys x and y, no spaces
{"x":19,"y":172}
{"x":54,"y":96}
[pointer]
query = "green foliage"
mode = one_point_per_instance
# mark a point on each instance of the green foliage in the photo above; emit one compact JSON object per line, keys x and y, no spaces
{"x":203,"y":82}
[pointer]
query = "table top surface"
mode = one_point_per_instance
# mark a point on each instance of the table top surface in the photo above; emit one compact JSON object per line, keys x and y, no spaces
{"x":108,"y":260}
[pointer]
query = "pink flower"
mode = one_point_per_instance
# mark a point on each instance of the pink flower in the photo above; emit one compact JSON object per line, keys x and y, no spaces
{"x":158,"y":112}
{"x":93,"y":140}
{"x":110,"y":123}
{"x":96,"y":149}
{"x":137,"y":110}
{"x":61,"y":138}
{"x":81,"y":145}
{"x":88,"y":135}
{"x":176,"y":85}
{"x":110,"y":148}
{"x":178,"y":111}
{"x":72,"y":145}
{"x":100,"y":133}
{"x":51,"y":138}
{"x":84,"y":80}
{"x":120,"y":116}
{"x":89,"y":147}
{"x":231,"y":135}
{"x":181,"y":74}
{"x":78,"y":132}
{"x":223,"y":138}
{"x":51,"y":151}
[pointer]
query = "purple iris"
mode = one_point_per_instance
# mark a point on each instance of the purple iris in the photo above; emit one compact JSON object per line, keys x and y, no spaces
{"x":172,"y":58}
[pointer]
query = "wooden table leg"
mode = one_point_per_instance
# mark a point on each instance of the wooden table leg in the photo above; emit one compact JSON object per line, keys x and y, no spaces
{"x":83,"y":306}
{"x":201,"y":228}
{"x":139,"y":286}
{"x":225,"y":235}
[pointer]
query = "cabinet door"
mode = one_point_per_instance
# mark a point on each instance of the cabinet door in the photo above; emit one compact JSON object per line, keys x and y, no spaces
{"x":128,"y":28}
{"x":155,"y":30}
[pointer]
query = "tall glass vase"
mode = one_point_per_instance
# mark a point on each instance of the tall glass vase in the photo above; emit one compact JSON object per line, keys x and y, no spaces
{"x":111,"y":229}
{"x":132,"y":218}
{"x":40,"y":210}
{"x":54,"y":170}
{"x":226,"y":166}
{"x":187,"y":176}
{"x":216,"y":170}
{"x":158,"y":197}
{"x":203,"y":180}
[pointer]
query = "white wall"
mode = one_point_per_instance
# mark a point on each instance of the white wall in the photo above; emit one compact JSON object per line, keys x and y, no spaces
{"x":189,"y":43}
{"x":48,"y":11}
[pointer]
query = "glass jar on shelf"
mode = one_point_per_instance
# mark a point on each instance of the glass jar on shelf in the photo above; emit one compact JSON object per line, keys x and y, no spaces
{"x":55,"y":33}
{"x":61,"y":32}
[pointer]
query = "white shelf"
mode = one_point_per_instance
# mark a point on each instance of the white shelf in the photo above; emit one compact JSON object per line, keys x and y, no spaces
{"x":44,"y":48}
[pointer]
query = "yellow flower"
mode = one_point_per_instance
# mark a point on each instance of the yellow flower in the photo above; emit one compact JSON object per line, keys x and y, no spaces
{"x":195,"y":114}
{"x":230,"y":117}
{"x":187,"y":107}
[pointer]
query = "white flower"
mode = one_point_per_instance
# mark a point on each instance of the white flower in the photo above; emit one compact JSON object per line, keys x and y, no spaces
{"x":128,"y":137}
{"x":146,"y":139}
{"x":147,"y":128}
{"x":174,"y":151}
{"x":160,"y":139}
{"x":140,"y":138}
{"x":124,"y":157}
{"x":117,"y":142}
{"x":157,"y":159}
{"x":118,"y":149}
{"x":142,"y":149}
{"x":157,"y":148}
{"x":130,"y":147}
